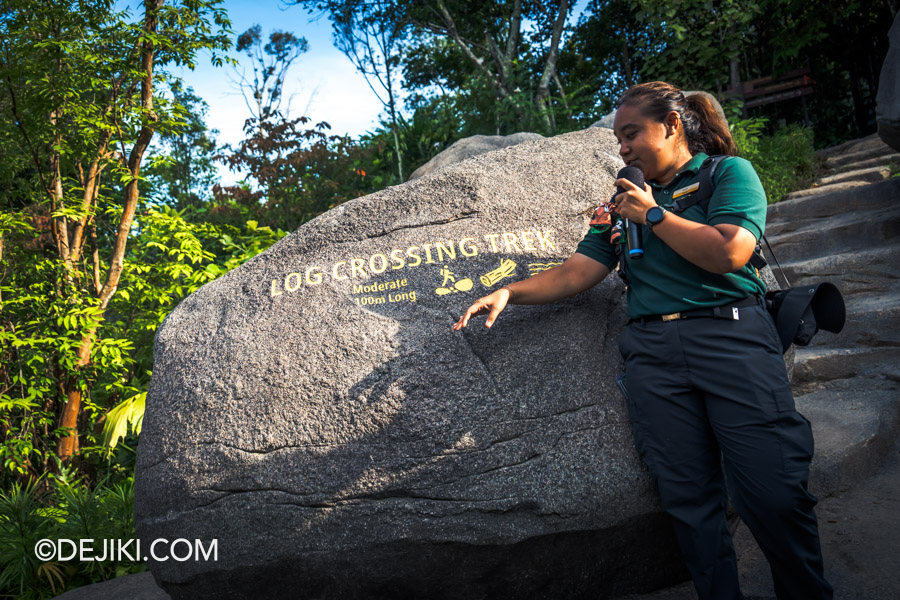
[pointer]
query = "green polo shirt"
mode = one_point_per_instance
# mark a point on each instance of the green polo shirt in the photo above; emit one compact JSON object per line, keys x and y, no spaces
{"x":663,"y":282}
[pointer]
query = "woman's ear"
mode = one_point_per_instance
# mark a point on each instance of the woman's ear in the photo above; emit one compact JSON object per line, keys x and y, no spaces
{"x":673,"y":122}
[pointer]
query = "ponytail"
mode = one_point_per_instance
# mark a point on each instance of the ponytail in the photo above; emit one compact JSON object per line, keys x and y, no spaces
{"x":711,"y":135}
{"x":704,"y":130}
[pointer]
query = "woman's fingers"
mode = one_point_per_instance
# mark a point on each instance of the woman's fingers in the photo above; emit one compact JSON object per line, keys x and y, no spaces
{"x":493,"y":303}
{"x":634,"y":201}
{"x":492,"y":316}
{"x":476,"y":308}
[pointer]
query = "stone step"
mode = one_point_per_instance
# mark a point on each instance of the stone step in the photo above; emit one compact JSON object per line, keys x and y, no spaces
{"x":866,"y":271}
{"x":837,"y":202}
{"x":879,"y":161}
{"x":873,"y":320}
{"x":825,"y":189}
{"x":869,"y":151}
{"x":855,"y":230}
{"x":814,"y":367}
{"x":856,"y":145}
{"x":858,"y":533}
{"x":853,"y":427}
{"x":871,"y":174}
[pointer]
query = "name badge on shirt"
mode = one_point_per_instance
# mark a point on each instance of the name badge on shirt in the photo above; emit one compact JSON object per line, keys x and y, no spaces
{"x":686,"y":190}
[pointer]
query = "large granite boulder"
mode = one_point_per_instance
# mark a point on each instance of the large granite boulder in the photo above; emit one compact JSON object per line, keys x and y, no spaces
{"x":887,"y":101}
{"x":314,"y":413}
{"x":469,"y":147}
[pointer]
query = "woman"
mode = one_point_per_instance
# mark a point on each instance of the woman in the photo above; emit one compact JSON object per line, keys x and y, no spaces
{"x":703,"y":360}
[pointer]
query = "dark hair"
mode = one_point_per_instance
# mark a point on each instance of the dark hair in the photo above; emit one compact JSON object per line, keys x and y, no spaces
{"x":704,"y":130}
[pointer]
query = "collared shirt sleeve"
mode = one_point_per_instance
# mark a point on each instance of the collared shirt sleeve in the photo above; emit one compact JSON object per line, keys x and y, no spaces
{"x":598,"y":247}
{"x":739,"y":197}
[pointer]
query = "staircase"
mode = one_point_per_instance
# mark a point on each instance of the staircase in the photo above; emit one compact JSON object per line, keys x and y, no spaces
{"x":846,"y":229}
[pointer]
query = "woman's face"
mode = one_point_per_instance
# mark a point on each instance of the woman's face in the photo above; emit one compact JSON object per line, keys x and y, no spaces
{"x":655,"y":148}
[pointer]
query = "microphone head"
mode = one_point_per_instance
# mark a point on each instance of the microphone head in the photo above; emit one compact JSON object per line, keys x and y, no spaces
{"x":632,"y":174}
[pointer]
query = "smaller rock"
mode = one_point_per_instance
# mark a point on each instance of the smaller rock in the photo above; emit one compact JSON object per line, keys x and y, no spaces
{"x":139,"y":586}
{"x":468,"y":147}
{"x":712,"y":99}
{"x":606,"y":121}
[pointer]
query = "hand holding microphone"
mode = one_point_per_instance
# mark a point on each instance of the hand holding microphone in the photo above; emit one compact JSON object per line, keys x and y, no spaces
{"x":634,"y":236}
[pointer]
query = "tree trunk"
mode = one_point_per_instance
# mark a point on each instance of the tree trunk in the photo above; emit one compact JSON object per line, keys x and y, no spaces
{"x":626,"y":61}
{"x":68,"y":445}
{"x":543,"y":90}
{"x":392,"y":107}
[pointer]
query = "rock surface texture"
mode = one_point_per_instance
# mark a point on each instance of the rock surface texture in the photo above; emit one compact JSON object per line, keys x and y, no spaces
{"x":469,"y":147}
{"x":314,"y":412}
{"x":887,"y":100}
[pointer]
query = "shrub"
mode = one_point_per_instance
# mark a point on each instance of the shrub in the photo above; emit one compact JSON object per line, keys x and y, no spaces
{"x":53,"y":509}
{"x":784,"y":160}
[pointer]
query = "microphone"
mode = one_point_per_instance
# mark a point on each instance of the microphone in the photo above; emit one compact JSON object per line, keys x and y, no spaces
{"x":634,"y":236}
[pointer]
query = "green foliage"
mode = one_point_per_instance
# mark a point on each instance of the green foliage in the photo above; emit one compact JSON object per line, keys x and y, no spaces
{"x":182,"y":170}
{"x":692,"y":42}
{"x":81,"y":106}
{"x":784,"y":160}
{"x":168,"y":258}
{"x":125,"y":417}
{"x":61,"y":508}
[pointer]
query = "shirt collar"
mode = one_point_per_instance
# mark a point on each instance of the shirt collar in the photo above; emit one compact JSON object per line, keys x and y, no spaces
{"x":692,"y":166}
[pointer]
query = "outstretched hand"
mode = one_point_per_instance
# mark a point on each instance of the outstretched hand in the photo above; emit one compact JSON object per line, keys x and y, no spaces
{"x":491,"y":304}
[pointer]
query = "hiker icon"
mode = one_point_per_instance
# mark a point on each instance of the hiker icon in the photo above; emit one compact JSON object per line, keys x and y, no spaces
{"x":506,"y":269}
{"x":463,"y":285}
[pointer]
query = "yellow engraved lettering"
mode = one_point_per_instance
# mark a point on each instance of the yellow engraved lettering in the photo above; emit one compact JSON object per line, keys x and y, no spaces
{"x":527,"y":238}
{"x":275,"y":290}
{"x":441,"y":248}
{"x":398,"y":260}
{"x":544,"y":239}
{"x":291,"y":287}
{"x":473,"y":251}
{"x":334,"y":270}
{"x":314,"y":278}
{"x":405,"y":296}
{"x":428,"y":259}
{"x":384,"y":263}
{"x":410,"y":252}
{"x":492,"y":237}
{"x":510,"y":240}
{"x":356,"y":265}
{"x":358,"y":288}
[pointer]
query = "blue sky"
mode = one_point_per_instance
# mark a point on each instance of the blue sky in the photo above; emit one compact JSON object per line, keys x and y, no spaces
{"x":323,"y":84}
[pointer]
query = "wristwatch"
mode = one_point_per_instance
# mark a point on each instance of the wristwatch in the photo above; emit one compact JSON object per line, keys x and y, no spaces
{"x":654,"y":216}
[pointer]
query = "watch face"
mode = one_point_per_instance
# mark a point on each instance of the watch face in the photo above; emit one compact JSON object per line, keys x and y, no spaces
{"x":654,"y":215}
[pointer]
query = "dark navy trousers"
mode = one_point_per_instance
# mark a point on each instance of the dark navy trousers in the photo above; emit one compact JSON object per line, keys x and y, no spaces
{"x":704,"y":389}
